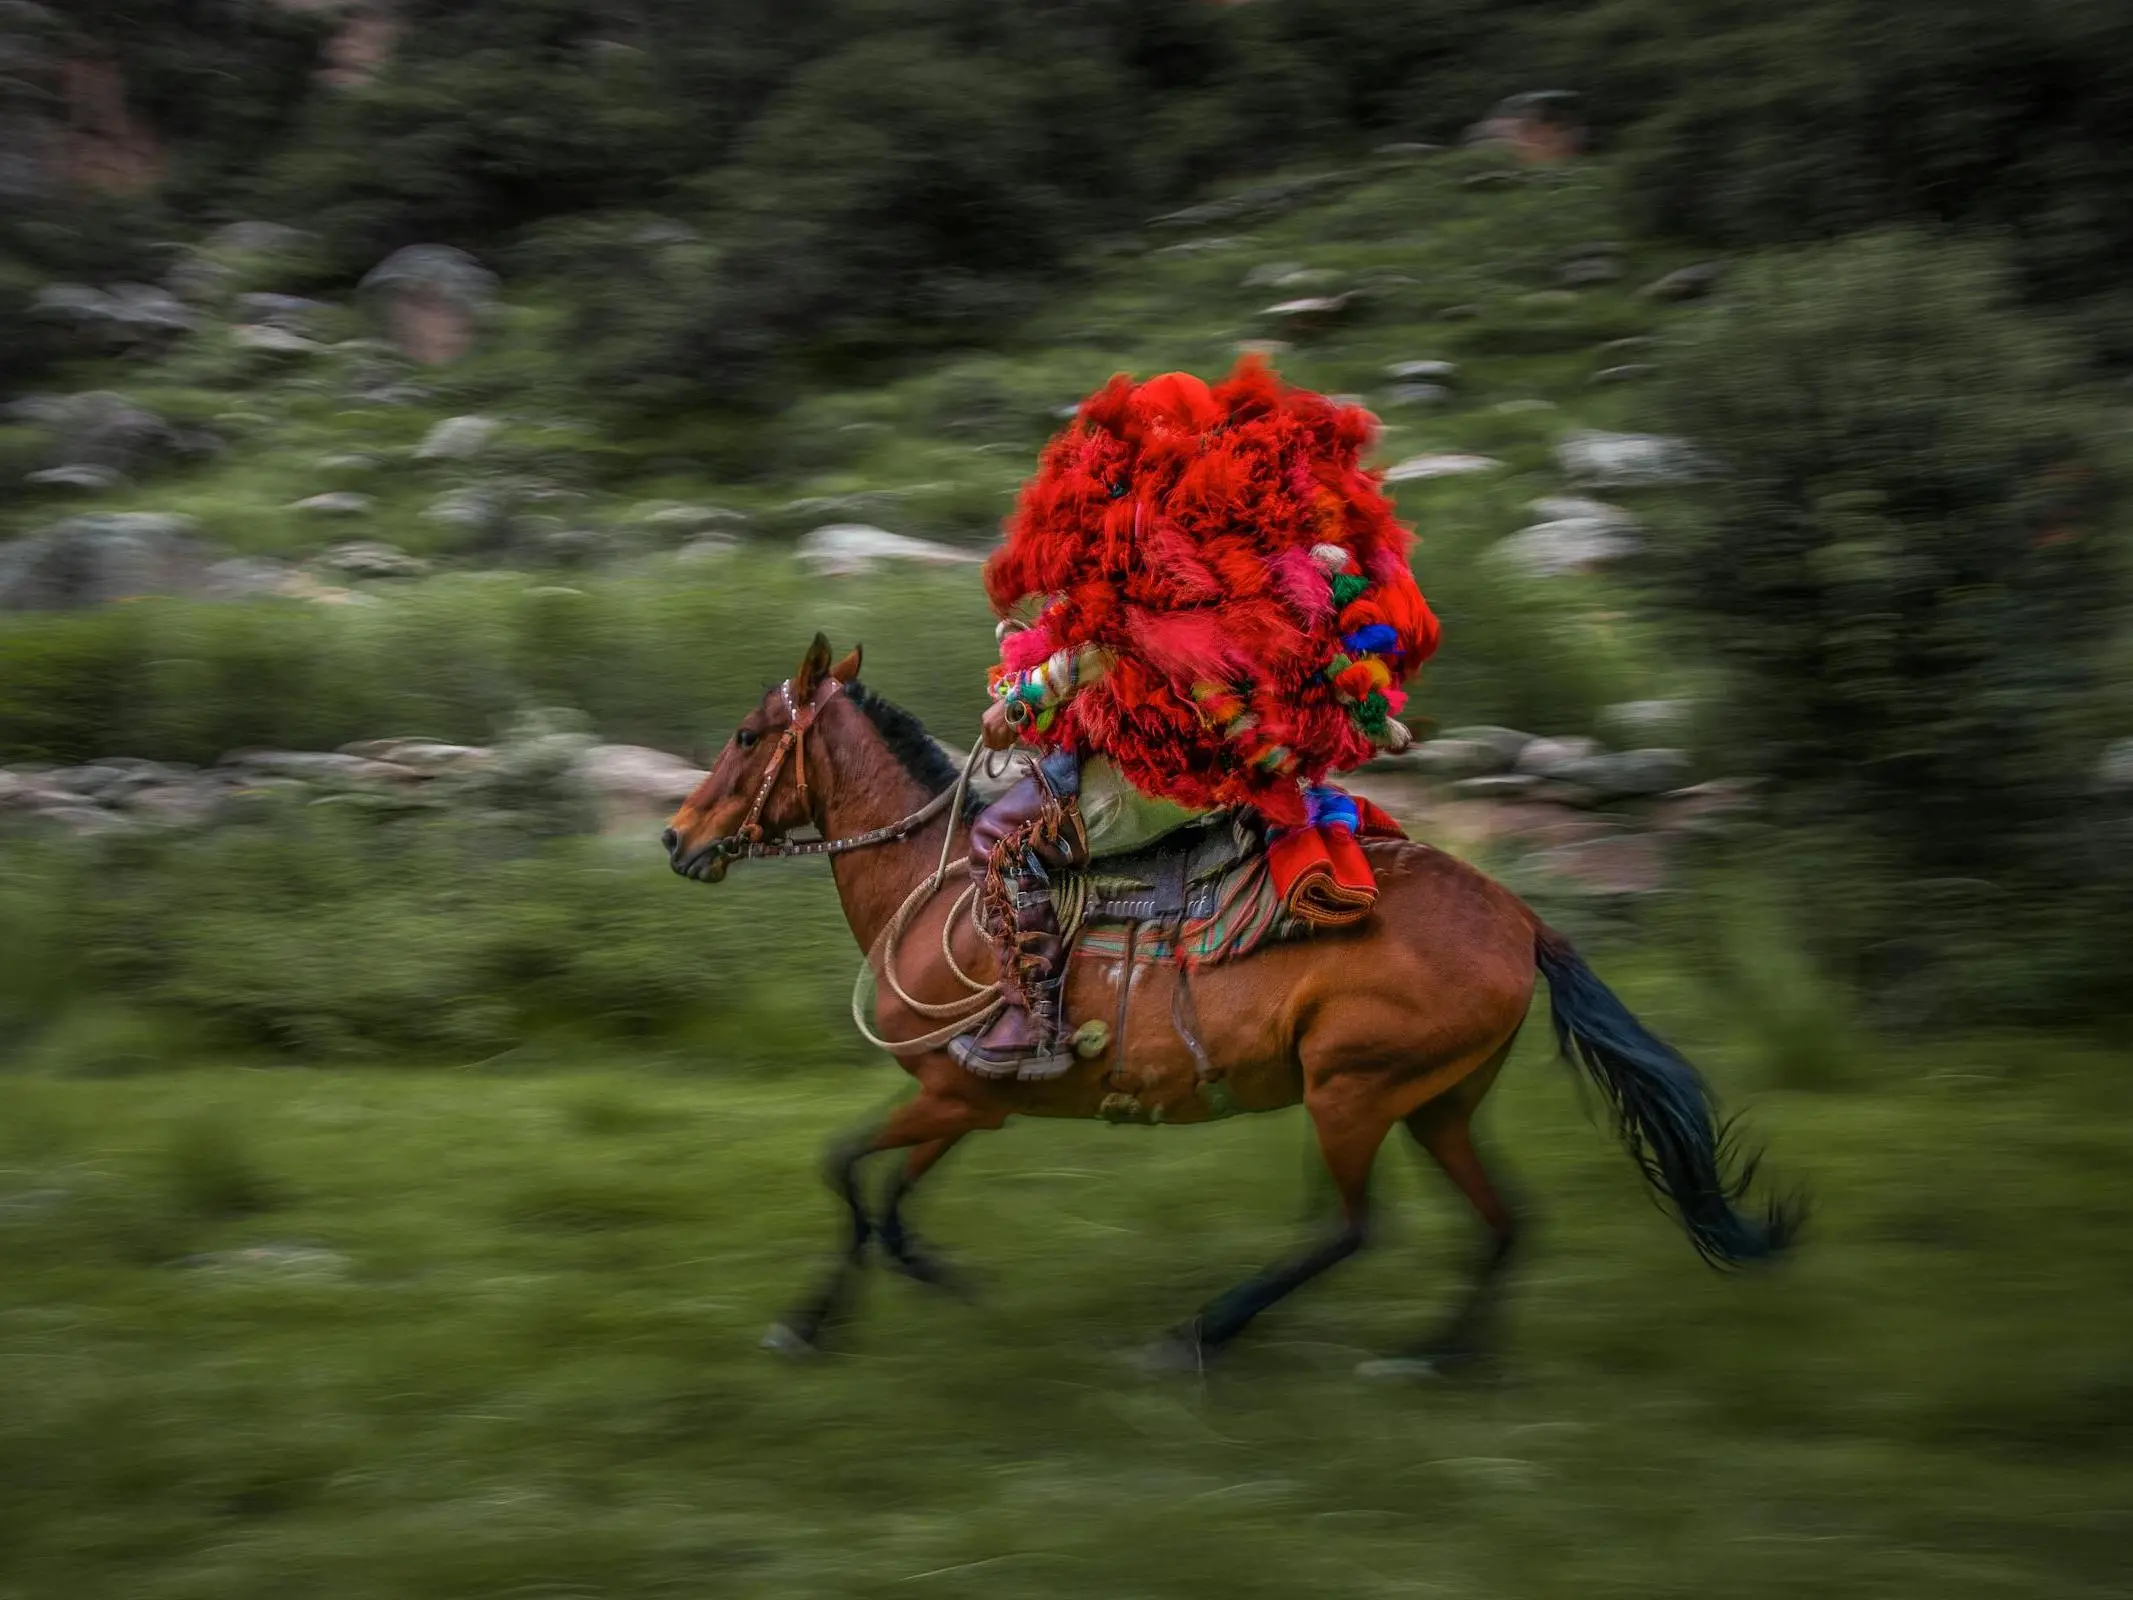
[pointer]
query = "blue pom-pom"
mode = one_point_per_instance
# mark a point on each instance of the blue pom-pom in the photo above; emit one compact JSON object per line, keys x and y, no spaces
{"x":1327,"y":807}
{"x":1370,"y":641}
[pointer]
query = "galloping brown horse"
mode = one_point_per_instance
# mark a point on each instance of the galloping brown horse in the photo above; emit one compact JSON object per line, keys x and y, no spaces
{"x":1403,"y":1020}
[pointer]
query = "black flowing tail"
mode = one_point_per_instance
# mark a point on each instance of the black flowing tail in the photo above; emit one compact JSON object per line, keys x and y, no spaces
{"x":1664,"y":1112}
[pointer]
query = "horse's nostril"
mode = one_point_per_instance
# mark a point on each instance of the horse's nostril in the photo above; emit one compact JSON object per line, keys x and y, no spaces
{"x":670,"y":839}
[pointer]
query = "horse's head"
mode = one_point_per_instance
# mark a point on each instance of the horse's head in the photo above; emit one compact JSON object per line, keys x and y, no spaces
{"x":757,"y":788}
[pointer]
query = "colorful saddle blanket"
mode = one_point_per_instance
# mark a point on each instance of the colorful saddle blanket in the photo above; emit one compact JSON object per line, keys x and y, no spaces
{"x":1218,"y":890}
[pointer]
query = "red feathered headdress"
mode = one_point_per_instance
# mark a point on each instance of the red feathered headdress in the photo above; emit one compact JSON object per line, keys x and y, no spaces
{"x":1245,"y":572}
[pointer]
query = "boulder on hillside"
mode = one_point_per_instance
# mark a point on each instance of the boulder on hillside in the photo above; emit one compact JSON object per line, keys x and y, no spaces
{"x":335,"y":503}
{"x":1566,"y":545}
{"x":431,"y":298}
{"x":372,"y":558}
{"x":93,"y":560}
{"x":102,"y":429}
{"x":268,"y":340}
{"x":844,"y":548}
{"x":1687,"y":283}
{"x":1416,"y":469}
{"x":1540,"y":127}
{"x":1627,"y":460}
{"x":456,"y":439}
{"x":636,"y":774}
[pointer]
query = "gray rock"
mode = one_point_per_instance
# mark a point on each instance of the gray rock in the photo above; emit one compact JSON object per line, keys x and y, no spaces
{"x":1627,"y":460}
{"x":1628,"y":372}
{"x":335,"y":503}
{"x":432,"y":298}
{"x":347,"y":464}
{"x":318,"y":767}
{"x":148,"y":309}
{"x":1499,"y":786}
{"x":1577,"y":507}
{"x":88,"y":479}
{"x":83,"y":821}
{"x":844,"y":548}
{"x":675,"y":518}
{"x":1571,"y":544}
{"x":101,"y":429}
{"x":1634,"y":774}
{"x":1457,"y":758}
{"x":1309,"y":313}
{"x":456,"y":439}
{"x":175,"y":804}
{"x":266,"y":339}
{"x":1589,"y":272}
{"x":1687,"y":283}
{"x":707,"y":547}
{"x":633,"y":773}
{"x":472,"y":510}
{"x":429,"y":757}
{"x":1422,"y":371}
{"x":93,"y":560}
{"x":1556,"y":758}
{"x":247,"y":577}
{"x":291,"y":312}
{"x":1270,"y":272}
{"x":39,"y":410}
{"x":1444,"y":465}
{"x":371,"y":558}
{"x":198,"y":280}
{"x":69,"y":302}
{"x":1420,"y":394}
{"x":1508,"y":743}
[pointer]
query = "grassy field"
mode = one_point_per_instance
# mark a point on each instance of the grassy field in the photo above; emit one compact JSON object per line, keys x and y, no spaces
{"x":495,"y":1335}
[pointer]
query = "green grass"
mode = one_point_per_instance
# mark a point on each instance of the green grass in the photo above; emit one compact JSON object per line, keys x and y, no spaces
{"x":501,"y":1341}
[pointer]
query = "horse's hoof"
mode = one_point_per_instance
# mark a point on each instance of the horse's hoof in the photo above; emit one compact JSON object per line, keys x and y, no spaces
{"x":784,"y":1340}
{"x":1179,"y":1351}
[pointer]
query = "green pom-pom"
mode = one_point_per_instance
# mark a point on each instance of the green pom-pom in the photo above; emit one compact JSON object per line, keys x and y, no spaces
{"x":1347,"y":587}
{"x":1338,"y":665}
{"x":1372,"y":711}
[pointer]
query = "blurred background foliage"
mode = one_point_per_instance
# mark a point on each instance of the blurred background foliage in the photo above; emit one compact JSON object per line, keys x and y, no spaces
{"x":765,"y":267}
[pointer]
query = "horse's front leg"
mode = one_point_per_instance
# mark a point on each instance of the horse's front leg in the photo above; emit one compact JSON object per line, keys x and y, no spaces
{"x":930,"y":1119}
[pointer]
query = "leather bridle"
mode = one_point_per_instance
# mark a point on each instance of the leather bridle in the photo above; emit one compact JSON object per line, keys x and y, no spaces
{"x":748,"y":842}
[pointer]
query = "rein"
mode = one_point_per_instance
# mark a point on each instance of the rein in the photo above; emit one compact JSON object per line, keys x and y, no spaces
{"x":980,"y":1001}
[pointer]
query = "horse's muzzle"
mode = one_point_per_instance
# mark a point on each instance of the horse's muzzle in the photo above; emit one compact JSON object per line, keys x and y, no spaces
{"x":706,"y":863}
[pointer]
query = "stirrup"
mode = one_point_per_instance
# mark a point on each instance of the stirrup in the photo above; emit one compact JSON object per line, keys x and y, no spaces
{"x":1031,"y":1066}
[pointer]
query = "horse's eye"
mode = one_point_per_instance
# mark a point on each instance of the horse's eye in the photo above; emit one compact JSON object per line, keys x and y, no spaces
{"x":745,"y":738}
{"x":1119,"y":488}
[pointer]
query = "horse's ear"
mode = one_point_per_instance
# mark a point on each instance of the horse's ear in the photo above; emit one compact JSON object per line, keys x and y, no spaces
{"x":813,"y":666}
{"x":847,"y":669}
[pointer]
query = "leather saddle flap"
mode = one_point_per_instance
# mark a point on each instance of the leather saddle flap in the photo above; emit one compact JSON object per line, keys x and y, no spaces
{"x":1180,"y":875}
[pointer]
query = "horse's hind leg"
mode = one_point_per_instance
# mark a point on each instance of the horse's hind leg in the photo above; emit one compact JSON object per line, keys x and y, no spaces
{"x":904,"y":1249}
{"x":1442,"y":1128}
{"x":1348,"y":1139}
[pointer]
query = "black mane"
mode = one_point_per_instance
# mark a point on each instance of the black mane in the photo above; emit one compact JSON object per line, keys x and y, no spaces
{"x":907,"y":739}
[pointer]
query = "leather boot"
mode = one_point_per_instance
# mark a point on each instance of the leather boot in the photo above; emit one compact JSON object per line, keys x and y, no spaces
{"x":1017,"y":842}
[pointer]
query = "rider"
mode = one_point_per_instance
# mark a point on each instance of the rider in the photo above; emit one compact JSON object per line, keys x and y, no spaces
{"x":1206,"y":604}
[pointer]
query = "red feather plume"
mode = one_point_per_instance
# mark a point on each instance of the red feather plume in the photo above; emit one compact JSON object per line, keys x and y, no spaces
{"x":1173,"y":525}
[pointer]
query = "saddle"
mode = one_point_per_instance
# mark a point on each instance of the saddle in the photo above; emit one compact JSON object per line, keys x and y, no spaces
{"x":1198,"y":896}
